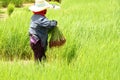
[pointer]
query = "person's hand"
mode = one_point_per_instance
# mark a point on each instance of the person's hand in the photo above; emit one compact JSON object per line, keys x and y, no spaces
{"x":54,"y":21}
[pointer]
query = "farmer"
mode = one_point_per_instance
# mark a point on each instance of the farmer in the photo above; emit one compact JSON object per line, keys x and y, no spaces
{"x":39,"y":28}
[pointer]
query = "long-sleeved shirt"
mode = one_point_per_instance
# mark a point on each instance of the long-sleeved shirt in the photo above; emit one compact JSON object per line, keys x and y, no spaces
{"x":40,"y":26}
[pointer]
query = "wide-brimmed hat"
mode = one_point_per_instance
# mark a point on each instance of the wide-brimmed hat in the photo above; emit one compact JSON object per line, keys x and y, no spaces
{"x":40,"y":5}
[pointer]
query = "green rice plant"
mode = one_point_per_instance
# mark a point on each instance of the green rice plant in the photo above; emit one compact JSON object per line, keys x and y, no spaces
{"x":57,"y":38}
{"x":0,"y":4}
{"x":5,"y":2}
{"x":10,"y":8}
{"x":14,"y":38}
{"x":55,"y":0}
{"x":18,"y":3}
{"x":28,"y":1}
{"x":91,"y":52}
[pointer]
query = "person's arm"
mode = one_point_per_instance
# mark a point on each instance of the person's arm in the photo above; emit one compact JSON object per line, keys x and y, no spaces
{"x":47,"y":23}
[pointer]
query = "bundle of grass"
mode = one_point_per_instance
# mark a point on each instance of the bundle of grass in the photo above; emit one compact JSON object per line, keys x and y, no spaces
{"x":57,"y":38}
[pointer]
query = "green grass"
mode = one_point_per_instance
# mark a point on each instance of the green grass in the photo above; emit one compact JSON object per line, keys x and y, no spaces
{"x":92,"y":50}
{"x":5,"y":3}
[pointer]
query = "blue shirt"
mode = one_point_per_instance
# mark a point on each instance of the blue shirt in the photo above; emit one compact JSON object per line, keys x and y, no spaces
{"x":40,"y":26}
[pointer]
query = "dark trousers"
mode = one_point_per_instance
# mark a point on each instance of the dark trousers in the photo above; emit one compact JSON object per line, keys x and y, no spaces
{"x":39,"y":51}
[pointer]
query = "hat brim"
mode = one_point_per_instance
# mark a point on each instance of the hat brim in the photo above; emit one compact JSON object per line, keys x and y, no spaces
{"x":36,"y":9}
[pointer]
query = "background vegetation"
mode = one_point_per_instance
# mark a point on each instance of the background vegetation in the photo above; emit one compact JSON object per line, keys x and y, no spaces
{"x":18,"y":3}
{"x":92,"y":50}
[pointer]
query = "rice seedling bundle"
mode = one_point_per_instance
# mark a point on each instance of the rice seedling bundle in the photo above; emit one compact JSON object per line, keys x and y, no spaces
{"x":57,"y":38}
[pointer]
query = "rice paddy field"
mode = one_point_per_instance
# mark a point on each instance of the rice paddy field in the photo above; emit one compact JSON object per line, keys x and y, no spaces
{"x":91,"y":51}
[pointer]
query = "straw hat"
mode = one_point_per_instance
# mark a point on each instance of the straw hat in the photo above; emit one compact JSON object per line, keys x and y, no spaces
{"x":40,"y":5}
